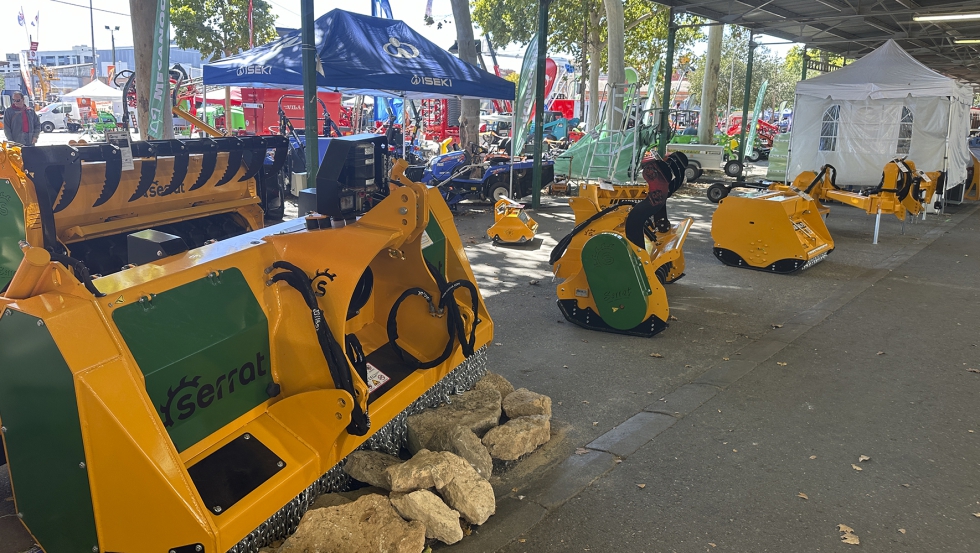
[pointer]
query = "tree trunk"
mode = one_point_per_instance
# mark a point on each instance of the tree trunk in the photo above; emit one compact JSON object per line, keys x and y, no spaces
{"x":709,"y":88}
{"x":469,"y":124}
{"x":143,"y":15}
{"x":595,"y":66}
{"x":615,"y":25}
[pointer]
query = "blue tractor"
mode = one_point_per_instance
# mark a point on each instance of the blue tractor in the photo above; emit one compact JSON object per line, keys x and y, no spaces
{"x":487,"y":178}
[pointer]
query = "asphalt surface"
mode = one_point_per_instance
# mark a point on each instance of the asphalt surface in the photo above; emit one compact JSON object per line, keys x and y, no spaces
{"x":767,"y":387}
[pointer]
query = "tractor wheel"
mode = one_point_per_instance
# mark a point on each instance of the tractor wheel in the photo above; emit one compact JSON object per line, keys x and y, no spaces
{"x":47,"y":126}
{"x":692,"y":172}
{"x":717,"y":192}
{"x":497,"y":190}
{"x":753,"y":156}
{"x":733,"y":168}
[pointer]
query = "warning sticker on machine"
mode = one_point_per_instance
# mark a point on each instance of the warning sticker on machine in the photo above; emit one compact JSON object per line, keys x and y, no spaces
{"x":426,"y":241}
{"x":376,"y":378}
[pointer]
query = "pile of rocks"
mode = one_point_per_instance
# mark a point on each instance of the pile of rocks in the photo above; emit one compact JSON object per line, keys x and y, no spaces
{"x":443,"y":488}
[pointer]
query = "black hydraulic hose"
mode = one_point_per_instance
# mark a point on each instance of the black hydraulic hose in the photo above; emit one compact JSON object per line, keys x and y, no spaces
{"x":80,"y":270}
{"x":332,"y":351}
{"x":563,"y":244}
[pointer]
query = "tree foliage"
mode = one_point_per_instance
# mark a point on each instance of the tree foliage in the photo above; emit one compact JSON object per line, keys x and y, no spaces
{"x":219,"y":28}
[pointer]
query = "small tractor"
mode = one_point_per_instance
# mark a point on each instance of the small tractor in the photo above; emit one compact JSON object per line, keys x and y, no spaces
{"x":487,"y":176}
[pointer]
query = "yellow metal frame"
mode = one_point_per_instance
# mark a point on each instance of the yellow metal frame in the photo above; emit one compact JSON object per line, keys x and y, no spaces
{"x":667,"y":248}
{"x":143,"y":497}
{"x":511,"y":224}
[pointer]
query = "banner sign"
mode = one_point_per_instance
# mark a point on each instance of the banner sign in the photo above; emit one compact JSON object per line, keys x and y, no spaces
{"x":25,"y":73}
{"x":33,"y":46}
{"x":159,"y":73}
{"x":750,"y":140}
{"x":524,"y":103}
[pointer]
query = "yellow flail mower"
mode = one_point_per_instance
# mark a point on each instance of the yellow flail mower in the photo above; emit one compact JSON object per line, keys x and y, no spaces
{"x":782,"y":230}
{"x":511,"y":224}
{"x":614,"y":264}
{"x":198,"y":397}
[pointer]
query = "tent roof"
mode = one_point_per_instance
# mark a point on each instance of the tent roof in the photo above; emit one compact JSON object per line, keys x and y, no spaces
{"x":887,"y":72}
{"x":97,"y":90}
{"x":360,"y":54}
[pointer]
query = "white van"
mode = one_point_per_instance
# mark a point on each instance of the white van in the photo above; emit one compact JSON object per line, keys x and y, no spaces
{"x":52,"y":116}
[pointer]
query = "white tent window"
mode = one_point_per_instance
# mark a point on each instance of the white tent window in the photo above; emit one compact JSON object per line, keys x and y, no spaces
{"x":829,"y":125}
{"x":905,"y":132}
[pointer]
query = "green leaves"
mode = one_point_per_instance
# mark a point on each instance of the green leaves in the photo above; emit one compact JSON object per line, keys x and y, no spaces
{"x":219,"y":28}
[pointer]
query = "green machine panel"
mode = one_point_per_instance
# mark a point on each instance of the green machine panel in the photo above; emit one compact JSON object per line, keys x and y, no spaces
{"x":11,"y":231}
{"x":45,"y":453}
{"x":619,"y":284}
{"x":434,"y":244}
{"x":203,"y":348}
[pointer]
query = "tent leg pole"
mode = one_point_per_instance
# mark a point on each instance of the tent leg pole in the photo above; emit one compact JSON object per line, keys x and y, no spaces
{"x":668,"y":73}
{"x":745,"y":101}
{"x":310,"y":96}
{"x":877,"y":224}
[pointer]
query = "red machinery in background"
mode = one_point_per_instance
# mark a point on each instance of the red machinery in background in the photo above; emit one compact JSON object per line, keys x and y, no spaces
{"x":766,"y":132}
{"x":260,"y":107}
{"x":440,"y":119}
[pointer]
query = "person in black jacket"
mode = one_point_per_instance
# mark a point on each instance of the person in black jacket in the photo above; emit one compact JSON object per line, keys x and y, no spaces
{"x":20,"y":123}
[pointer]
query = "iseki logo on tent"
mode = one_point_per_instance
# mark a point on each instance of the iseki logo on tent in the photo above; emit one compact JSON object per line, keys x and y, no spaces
{"x":431,"y":81}
{"x":254,"y":70}
{"x":399,"y":49}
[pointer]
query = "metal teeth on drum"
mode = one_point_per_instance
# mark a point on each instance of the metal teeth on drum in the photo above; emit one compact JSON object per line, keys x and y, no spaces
{"x":391,"y":438}
{"x":816,"y":259}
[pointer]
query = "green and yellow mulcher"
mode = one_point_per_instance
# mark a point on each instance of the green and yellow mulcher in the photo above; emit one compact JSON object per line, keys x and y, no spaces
{"x":175,"y":377}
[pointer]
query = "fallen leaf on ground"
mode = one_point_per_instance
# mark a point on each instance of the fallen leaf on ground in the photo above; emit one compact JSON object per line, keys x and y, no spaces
{"x":855,"y":467}
{"x":906,"y":485}
{"x":880,"y":353}
{"x":863,"y":458}
{"x":973,"y":370}
{"x":976,"y":515}
{"x":902,"y":530}
{"x":813,"y":457}
{"x":596,"y":423}
{"x":522,"y":540}
{"x":776,"y":326}
{"x":581,"y":451}
{"x":847,"y":535}
{"x":584,"y":340}
{"x":618,"y":461}
{"x":711,"y":544}
{"x":724,"y":358}
{"x":803,"y":495}
{"x":657,"y":355}
{"x":641,"y":486}
{"x":688,"y":366}
{"x":564,"y":366}
{"x":584,"y":401}
{"x":671,"y":318}
{"x":781,"y":364}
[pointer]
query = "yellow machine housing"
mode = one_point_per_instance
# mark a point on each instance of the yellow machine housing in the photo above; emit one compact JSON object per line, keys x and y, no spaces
{"x":201,"y":401}
{"x":609,"y":283}
{"x":779,"y":231}
{"x":511,"y":224}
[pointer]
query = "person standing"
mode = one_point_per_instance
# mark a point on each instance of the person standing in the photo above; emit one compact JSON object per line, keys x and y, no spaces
{"x":20,"y":123}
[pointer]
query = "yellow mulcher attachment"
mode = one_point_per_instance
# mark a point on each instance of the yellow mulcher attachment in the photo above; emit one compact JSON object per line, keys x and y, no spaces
{"x":782,"y":230}
{"x":199,"y":399}
{"x":615,"y":263}
{"x":511,"y":224}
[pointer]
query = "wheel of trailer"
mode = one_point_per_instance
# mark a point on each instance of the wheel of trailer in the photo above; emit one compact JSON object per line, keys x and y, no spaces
{"x":47,"y":126}
{"x":733,"y":168}
{"x":693,"y":171}
{"x":753,"y":156}
{"x":717,"y":192}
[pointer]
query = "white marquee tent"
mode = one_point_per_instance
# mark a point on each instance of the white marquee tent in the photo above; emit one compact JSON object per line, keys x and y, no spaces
{"x":882,"y":106}
{"x":98,"y":92}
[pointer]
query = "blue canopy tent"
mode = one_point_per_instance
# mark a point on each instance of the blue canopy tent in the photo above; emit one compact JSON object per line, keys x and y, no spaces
{"x":360,"y":54}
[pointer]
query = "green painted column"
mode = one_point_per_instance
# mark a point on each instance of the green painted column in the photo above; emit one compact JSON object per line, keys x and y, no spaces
{"x":543,"y":6}
{"x":806,"y":58}
{"x":309,"y":91}
{"x":668,"y":75}
{"x":745,"y":98}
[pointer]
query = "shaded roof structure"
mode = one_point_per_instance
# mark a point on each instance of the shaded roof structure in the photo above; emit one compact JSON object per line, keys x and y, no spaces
{"x":853,"y":28}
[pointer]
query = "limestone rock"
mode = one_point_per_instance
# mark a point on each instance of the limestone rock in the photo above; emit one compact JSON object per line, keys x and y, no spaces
{"x":496,"y":382}
{"x":525,"y":403}
{"x":428,"y":469}
{"x":369,"y":467}
{"x":466,"y":444}
{"x":354,"y":495}
{"x":469,"y":493}
{"x":478,"y":410}
{"x":329,"y":500}
{"x":441,"y":522}
{"x":518,"y":437}
{"x":368,"y":525}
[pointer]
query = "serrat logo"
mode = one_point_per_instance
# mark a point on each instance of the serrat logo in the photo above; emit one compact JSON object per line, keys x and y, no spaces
{"x":320,"y":282}
{"x":191,"y":396}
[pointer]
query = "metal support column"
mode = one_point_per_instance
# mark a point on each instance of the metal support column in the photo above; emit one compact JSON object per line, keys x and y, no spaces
{"x":668,"y":76}
{"x":543,"y":6}
{"x":806,"y":58}
{"x":745,"y":99}
{"x":309,"y":92}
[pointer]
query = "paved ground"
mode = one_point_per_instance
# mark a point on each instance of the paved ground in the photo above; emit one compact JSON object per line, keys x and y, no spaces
{"x":707,"y":447}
